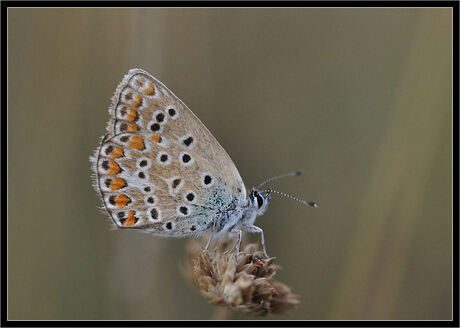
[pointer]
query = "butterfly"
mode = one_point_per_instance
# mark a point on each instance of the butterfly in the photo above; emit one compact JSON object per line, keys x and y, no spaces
{"x":159,"y":169}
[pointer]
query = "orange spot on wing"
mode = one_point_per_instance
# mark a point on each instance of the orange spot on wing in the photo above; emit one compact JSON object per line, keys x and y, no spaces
{"x":156,"y":137}
{"x":130,"y":219}
{"x":132,"y":128}
{"x":118,"y":152}
{"x":132,"y":115}
{"x":150,"y":90}
{"x":137,"y":100}
{"x":136,"y":142}
{"x":121,"y":200}
{"x":114,"y":168}
{"x":117,"y":183}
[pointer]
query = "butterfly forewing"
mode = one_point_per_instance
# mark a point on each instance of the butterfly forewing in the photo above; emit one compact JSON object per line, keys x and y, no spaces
{"x":159,"y":168}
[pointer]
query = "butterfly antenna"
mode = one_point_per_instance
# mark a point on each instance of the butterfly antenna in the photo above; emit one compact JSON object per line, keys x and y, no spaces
{"x":292,"y":174}
{"x":269,"y":191}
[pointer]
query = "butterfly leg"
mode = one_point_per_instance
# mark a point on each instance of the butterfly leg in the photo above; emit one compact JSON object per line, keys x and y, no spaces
{"x":238,"y":242}
{"x":255,"y":229}
{"x":209,"y":241}
{"x":213,"y":228}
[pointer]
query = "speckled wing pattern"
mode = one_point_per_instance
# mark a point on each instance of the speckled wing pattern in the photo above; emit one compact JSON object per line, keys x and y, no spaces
{"x":158,"y":168}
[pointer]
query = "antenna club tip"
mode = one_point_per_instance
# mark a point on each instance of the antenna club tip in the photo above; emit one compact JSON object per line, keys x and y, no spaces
{"x":297,"y":173}
{"x":313,"y":204}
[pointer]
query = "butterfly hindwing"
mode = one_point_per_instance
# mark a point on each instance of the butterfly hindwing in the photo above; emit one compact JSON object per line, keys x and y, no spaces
{"x":159,"y":168}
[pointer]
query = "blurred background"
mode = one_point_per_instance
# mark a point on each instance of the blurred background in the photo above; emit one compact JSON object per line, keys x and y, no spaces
{"x":359,"y":99}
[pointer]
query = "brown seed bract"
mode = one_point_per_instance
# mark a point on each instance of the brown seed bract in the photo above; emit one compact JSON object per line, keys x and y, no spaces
{"x":243,"y":283}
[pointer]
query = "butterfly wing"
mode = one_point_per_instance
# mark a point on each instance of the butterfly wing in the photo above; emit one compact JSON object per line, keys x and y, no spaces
{"x":159,"y":168}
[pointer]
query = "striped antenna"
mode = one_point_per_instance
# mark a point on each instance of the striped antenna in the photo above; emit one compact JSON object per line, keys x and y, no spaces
{"x":270,"y":191}
{"x":292,"y":174}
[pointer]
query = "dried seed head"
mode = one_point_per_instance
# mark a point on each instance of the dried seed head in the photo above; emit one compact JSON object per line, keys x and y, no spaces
{"x":242,"y":282}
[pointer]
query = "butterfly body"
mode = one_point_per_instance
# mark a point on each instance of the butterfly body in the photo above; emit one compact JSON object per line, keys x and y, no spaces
{"x":158,"y":169}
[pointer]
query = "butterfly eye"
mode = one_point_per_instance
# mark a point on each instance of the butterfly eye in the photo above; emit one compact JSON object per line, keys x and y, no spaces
{"x":260,"y":200}
{"x":255,"y":196}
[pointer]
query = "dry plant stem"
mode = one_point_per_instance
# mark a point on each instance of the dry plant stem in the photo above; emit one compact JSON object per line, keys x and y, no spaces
{"x":222,"y":313}
{"x":243,"y":282}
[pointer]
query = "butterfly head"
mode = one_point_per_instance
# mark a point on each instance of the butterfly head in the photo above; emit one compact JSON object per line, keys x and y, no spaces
{"x":259,"y":201}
